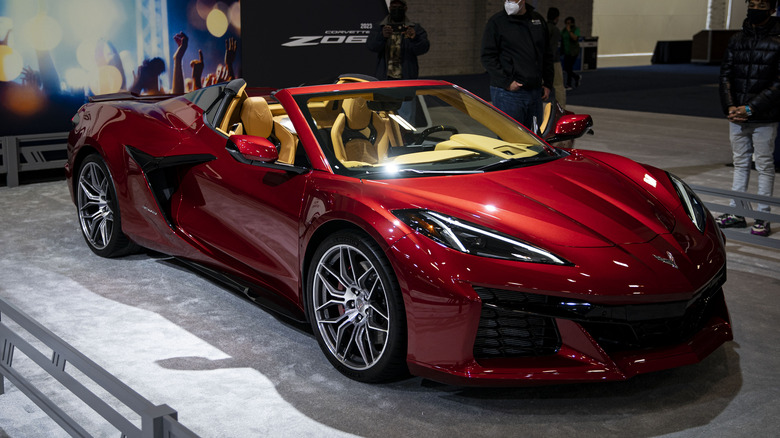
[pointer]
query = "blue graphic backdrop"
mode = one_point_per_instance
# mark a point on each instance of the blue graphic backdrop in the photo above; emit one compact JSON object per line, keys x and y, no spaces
{"x":54,"y":54}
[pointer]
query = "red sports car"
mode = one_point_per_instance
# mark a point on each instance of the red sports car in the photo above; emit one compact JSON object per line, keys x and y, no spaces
{"x":414,"y":226}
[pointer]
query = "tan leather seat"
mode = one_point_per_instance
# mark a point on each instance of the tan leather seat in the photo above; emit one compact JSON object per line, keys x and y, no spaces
{"x":548,"y":113}
{"x":257,"y":120}
{"x":359,"y":135}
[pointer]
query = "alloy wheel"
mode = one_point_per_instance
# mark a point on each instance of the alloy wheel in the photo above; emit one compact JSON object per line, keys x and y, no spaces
{"x":95,"y":205}
{"x":350,"y":307}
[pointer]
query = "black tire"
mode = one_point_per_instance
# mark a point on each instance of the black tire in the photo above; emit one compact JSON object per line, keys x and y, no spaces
{"x":98,"y":211}
{"x":356,"y":309}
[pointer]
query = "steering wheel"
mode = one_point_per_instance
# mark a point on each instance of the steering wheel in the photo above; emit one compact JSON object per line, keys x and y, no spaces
{"x":438,"y":128}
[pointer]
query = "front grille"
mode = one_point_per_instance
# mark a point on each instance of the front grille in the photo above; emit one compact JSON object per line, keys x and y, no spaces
{"x":505,"y":332}
{"x":518,"y":324}
{"x":633,"y":335}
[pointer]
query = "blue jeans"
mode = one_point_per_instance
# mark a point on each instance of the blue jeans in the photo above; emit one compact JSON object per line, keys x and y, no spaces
{"x":523,"y":105}
{"x":747,"y":140}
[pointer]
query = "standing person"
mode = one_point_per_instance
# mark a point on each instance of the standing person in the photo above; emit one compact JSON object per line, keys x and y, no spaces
{"x":519,"y":59}
{"x":750,"y":97}
{"x":555,"y":41}
{"x":570,"y":35}
{"x":398,"y":42}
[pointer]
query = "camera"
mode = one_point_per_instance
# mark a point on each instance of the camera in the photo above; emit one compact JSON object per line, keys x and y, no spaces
{"x":398,"y":28}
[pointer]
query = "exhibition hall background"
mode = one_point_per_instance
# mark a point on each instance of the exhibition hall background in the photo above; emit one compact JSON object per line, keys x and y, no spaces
{"x":54,"y":54}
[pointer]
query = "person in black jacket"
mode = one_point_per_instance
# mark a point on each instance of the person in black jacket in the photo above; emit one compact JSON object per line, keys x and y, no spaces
{"x":398,"y":42}
{"x":519,"y":59}
{"x":750,"y":96}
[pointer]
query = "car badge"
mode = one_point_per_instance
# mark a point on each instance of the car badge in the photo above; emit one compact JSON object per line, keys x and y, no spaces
{"x":669,"y":261}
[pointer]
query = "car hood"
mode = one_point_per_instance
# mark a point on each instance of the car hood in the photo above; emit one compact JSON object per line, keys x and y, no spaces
{"x":575,"y":201}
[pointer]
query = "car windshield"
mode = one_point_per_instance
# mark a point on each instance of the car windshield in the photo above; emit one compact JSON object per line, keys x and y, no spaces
{"x":417,"y":131}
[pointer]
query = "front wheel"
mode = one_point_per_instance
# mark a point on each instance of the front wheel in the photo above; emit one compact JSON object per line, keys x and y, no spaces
{"x":356,"y":310}
{"x":98,"y":210}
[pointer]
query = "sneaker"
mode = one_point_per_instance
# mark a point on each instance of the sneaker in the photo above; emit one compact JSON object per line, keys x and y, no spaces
{"x":728,"y":220}
{"x":761,"y":228}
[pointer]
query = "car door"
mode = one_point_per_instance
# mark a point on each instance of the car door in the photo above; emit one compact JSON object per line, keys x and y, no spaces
{"x":247,"y":218}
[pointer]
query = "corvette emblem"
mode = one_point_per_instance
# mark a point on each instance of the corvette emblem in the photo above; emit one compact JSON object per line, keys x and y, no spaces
{"x":669,"y":261}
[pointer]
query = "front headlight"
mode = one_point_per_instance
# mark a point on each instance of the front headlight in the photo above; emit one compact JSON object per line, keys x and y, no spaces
{"x":693,"y":206}
{"x":474,"y":239}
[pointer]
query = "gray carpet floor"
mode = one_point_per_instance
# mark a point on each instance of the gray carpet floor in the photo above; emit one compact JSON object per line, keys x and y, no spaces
{"x":231,"y":369}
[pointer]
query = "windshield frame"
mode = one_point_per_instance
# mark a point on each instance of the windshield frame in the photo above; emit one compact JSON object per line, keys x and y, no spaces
{"x":303,"y":97}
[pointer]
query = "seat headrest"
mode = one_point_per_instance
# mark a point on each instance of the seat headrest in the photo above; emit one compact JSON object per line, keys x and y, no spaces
{"x":357,"y":112}
{"x":256,"y":117}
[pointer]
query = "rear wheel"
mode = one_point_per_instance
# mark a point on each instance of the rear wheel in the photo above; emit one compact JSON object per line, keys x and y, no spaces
{"x":98,"y":210}
{"x":356,"y":310}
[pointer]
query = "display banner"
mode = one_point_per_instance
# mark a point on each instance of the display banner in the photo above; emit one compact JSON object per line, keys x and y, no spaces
{"x":307,"y":41}
{"x":55,"y":54}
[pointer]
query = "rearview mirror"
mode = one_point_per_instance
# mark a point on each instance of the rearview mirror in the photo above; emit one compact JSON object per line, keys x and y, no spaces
{"x":571,"y":126}
{"x":249,"y":148}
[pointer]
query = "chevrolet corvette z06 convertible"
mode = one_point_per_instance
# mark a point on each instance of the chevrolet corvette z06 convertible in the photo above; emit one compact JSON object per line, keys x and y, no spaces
{"x":415,"y":227}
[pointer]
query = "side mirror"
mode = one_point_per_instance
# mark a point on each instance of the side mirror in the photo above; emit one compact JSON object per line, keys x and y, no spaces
{"x":248,"y":148}
{"x":571,"y":126}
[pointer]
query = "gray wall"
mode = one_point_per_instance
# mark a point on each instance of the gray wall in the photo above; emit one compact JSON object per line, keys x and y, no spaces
{"x":455,"y":29}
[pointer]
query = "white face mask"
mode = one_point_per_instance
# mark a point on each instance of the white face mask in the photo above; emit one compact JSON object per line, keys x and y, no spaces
{"x":512,"y":8}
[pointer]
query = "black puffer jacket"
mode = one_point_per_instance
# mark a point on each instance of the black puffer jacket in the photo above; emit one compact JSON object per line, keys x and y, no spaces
{"x":517,"y":48}
{"x":750,"y":73}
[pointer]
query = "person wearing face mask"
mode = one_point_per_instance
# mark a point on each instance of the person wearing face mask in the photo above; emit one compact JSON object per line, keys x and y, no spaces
{"x":750,"y":97}
{"x":518,"y":56}
{"x":398,"y":42}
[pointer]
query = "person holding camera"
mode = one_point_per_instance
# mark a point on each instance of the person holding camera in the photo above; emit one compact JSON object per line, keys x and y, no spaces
{"x":518,"y":56}
{"x":398,"y":42}
{"x":570,"y":36}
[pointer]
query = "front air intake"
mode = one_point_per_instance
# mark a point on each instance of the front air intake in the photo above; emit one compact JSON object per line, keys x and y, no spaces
{"x":505,"y":332}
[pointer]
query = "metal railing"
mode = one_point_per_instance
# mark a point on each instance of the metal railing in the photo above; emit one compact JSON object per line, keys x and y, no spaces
{"x":743,"y":208}
{"x":156,"y":421}
{"x":23,"y":153}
